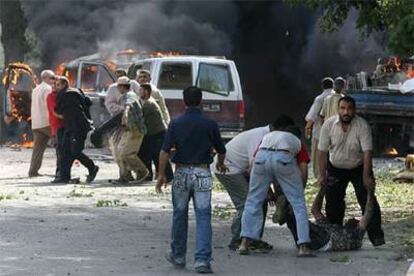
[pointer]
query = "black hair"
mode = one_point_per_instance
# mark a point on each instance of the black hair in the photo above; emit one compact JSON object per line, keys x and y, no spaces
{"x":282,"y":122}
{"x":327,"y":83}
{"x":347,"y":99}
{"x":192,"y":96}
{"x":351,"y":224}
{"x":146,"y":87}
{"x":295,"y":130}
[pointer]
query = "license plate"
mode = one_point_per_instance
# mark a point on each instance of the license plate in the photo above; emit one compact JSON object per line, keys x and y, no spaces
{"x":214,"y":107}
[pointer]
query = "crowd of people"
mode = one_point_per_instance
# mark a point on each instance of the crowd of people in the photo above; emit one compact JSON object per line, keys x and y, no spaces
{"x":260,"y":166}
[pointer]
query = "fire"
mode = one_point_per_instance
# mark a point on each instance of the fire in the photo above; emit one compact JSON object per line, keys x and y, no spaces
{"x":26,"y":142}
{"x":391,"y":151}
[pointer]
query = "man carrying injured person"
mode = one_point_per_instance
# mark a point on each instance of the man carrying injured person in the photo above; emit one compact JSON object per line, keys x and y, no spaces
{"x":127,"y":139}
{"x":275,"y":162}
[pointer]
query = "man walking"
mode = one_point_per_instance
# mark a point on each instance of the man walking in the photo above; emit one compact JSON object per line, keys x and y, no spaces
{"x":72,"y":107}
{"x":156,"y":129}
{"x":40,"y":120}
{"x":144,"y":77}
{"x":330,"y":103}
{"x":347,"y":138}
{"x":193,"y":137}
{"x":313,"y":122}
{"x":127,"y":139}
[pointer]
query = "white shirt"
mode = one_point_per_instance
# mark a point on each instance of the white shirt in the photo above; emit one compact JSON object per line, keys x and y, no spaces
{"x":314,"y":111}
{"x":240,"y":150}
{"x":112,"y":100}
{"x":39,"y":112}
{"x":281,"y":140}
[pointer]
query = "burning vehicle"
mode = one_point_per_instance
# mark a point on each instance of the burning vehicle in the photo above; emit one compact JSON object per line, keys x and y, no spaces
{"x":388,"y":107}
{"x":17,"y":84}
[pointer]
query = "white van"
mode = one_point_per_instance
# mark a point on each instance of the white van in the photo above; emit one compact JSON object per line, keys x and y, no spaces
{"x":216,"y":76}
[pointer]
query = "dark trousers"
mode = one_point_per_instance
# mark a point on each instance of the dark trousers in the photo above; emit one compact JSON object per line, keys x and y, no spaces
{"x":337,"y":182}
{"x":59,"y":148}
{"x":150,"y":152}
{"x":73,"y":145}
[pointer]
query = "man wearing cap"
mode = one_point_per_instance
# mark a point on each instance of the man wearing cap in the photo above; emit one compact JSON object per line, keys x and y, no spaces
{"x":313,"y":122}
{"x":112,"y":95}
{"x":40,"y":120}
{"x":348,"y":140}
{"x":127,"y":139}
{"x":330,"y":103}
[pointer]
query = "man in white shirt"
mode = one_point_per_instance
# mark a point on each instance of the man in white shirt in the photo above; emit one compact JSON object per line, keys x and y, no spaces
{"x":239,"y":155}
{"x":40,"y":120}
{"x":313,"y":122}
{"x":113,"y":95}
{"x":276,"y":162}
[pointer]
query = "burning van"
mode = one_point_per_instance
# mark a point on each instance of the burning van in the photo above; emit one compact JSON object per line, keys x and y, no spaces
{"x":16,"y":88}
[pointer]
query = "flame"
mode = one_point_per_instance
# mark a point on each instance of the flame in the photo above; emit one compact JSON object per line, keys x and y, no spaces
{"x":26,"y":142}
{"x":391,"y":151}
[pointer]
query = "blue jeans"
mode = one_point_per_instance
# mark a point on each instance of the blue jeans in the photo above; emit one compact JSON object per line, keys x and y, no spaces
{"x":272,"y":166}
{"x":195,"y":183}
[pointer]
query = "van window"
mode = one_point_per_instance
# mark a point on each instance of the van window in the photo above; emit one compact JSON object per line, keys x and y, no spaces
{"x":133,"y":70}
{"x":174,"y":75}
{"x":94,"y":77}
{"x":215,"y":78}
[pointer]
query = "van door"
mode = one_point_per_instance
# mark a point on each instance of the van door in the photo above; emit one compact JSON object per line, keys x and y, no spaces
{"x":94,"y":78}
{"x":222,"y":99}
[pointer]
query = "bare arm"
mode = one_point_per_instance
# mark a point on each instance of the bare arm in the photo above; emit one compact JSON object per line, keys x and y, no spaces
{"x":369,"y":210}
{"x":162,"y":179}
{"x":323,"y":164}
{"x":368,"y":178}
{"x":303,"y":167}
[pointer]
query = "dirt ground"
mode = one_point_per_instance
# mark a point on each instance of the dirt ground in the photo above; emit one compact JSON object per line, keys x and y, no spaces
{"x":103,"y":229}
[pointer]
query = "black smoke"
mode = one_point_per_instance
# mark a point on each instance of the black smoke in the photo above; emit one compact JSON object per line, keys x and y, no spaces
{"x":280,"y":52}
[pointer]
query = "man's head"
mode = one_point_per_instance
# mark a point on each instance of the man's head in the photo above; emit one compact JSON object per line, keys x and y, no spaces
{"x":282,"y":122}
{"x":120,"y":73}
{"x":192,"y":96}
{"x":145,"y":91}
{"x":346,"y":109}
{"x":327,"y":83}
{"x":48,"y":76}
{"x":143,"y":76}
{"x":123,"y":85}
{"x":62,"y":83}
{"x":339,"y":85}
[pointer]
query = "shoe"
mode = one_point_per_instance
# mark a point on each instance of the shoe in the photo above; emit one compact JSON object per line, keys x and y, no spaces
{"x":378,"y":242}
{"x":119,"y":181}
{"x":204,"y":269}
{"x":34,"y":174}
{"x":142,"y":178}
{"x":260,"y":246}
{"x":92,"y":174}
{"x":170,"y":259}
{"x":149,"y":177}
{"x":234,"y":244}
{"x":60,"y":181}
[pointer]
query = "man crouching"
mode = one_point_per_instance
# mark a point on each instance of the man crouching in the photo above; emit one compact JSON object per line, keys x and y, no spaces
{"x":127,"y":139}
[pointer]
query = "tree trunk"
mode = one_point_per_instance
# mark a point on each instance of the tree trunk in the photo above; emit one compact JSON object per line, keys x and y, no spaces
{"x":13,"y":28}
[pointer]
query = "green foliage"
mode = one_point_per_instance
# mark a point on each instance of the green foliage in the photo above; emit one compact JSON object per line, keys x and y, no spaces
{"x":340,"y":259}
{"x":394,"y":17}
{"x":5,"y":197}
{"x":110,"y":203}
{"x":75,"y":193}
{"x":223,"y":212}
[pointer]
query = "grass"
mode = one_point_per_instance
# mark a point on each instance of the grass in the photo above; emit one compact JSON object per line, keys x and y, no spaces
{"x":6,"y":197}
{"x":75,"y":193}
{"x":223,"y":212}
{"x":110,"y":203}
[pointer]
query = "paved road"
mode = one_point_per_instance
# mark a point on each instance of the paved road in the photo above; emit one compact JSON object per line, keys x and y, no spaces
{"x":58,"y":230}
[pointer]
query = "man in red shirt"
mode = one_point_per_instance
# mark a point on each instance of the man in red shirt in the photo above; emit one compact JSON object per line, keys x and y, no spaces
{"x":55,"y":126}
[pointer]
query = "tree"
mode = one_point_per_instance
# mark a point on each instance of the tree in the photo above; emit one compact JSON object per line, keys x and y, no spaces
{"x":393,"y":17}
{"x":13,"y":31}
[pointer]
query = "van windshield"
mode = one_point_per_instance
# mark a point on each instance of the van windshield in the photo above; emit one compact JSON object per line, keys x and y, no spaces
{"x":175,"y":76}
{"x":215,"y":78}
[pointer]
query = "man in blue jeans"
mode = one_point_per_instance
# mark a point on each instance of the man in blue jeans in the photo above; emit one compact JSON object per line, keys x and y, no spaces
{"x":276,"y":162}
{"x":192,"y":137}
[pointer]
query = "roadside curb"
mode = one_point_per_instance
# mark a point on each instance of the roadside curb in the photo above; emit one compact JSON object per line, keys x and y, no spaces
{"x":410,"y":271}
